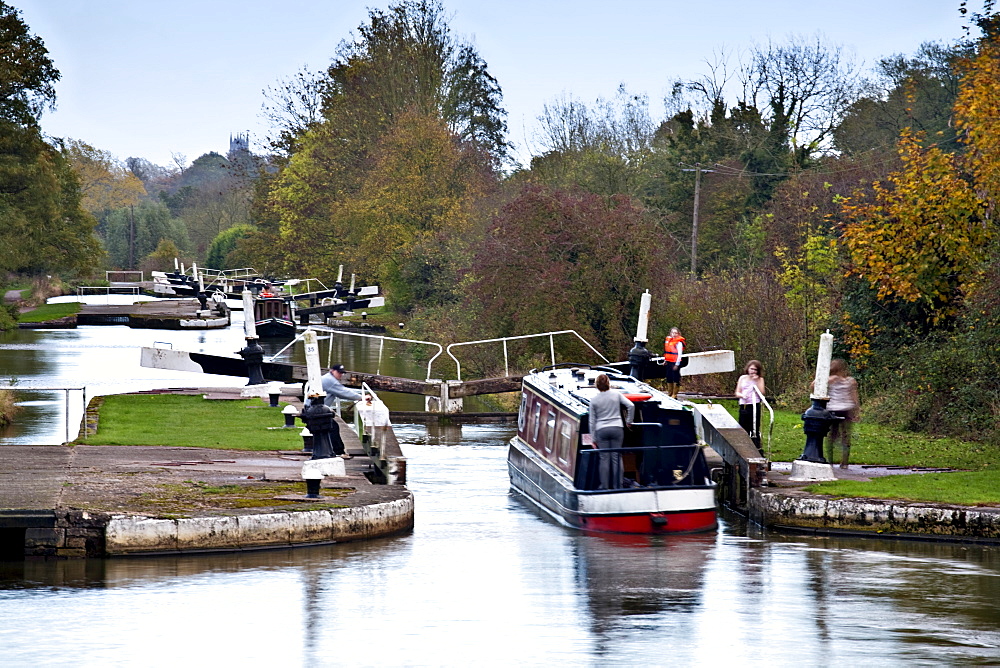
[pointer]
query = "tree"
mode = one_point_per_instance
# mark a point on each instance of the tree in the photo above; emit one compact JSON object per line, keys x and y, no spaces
{"x":599,"y":148}
{"x":44,"y":226}
{"x":225,"y":252}
{"x":133,"y":233}
{"x":802,"y":89}
{"x":293,"y":107}
{"x":916,"y":92}
{"x":582,"y":256}
{"x":104,"y":183}
{"x":395,"y":87}
{"x":922,"y":238}
{"x":27,"y":75}
{"x":977,"y":112}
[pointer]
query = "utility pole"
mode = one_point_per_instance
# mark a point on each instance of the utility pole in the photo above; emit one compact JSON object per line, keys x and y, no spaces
{"x":694,"y":223}
{"x":131,"y":237}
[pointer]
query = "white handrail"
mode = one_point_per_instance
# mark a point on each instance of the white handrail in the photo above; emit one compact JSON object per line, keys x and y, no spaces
{"x":552,"y":350}
{"x":770,"y":430}
{"x":382,"y":339}
{"x":19,"y":387}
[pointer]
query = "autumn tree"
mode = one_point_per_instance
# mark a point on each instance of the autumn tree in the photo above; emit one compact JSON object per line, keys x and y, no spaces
{"x":105,"y":184}
{"x":977,"y":112}
{"x":397,"y":86}
{"x":921,"y":238}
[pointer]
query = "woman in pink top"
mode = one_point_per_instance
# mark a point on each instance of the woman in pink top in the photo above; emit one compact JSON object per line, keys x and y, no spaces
{"x":750,"y":399}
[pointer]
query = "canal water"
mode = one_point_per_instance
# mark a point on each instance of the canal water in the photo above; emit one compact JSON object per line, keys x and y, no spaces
{"x":483,"y":579}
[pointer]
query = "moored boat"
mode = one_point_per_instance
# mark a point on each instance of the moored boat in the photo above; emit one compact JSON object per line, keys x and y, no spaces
{"x":659,"y":483}
{"x":273,"y":317}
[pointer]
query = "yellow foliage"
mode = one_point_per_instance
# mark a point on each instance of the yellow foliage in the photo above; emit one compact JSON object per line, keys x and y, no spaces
{"x":923,"y":238}
{"x":105,"y":184}
{"x":977,"y":115}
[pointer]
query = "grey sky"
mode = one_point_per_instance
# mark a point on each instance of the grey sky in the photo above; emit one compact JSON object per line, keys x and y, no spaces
{"x":149,"y":79}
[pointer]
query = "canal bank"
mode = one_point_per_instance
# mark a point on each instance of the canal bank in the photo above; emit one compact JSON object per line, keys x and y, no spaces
{"x":793,"y":509}
{"x":75,"y":501}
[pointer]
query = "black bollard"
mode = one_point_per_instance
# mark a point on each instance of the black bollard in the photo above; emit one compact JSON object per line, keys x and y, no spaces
{"x":638,"y":358}
{"x":290,"y":413}
{"x":253,"y":355}
{"x":312,"y":487}
{"x":307,"y":441}
{"x":319,"y":419}
{"x":274,"y":393}
{"x":816,"y":423}
{"x":203,"y":300}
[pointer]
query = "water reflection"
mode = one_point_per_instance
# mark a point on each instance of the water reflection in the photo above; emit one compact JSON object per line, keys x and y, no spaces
{"x":482,"y":578}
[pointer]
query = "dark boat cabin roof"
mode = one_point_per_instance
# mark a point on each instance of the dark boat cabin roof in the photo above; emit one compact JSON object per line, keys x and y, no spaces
{"x":553,"y":417}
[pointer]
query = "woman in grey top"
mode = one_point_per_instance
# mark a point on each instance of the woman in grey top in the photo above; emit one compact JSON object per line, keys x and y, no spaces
{"x":608,"y":431}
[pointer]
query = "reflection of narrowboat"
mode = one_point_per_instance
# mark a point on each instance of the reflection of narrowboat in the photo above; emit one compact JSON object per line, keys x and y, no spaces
{"x":273,"y":317}
{"x":659,"y":482}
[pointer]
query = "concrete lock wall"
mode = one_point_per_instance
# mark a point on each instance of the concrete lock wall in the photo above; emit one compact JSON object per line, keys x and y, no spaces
{"x":804,"y":511}
{"x":126,"y":535}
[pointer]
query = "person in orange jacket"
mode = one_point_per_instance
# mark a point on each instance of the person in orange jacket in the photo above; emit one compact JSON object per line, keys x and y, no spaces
{"x":673,"y":349}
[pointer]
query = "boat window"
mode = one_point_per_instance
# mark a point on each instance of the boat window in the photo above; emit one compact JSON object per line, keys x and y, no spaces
{"x":522,"y":414}
{"x":536,"y":421}
{"x":550,"y":430}
{"x":565,"y":433}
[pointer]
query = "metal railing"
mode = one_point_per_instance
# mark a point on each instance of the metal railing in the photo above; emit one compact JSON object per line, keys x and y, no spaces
{"x":506,"y":364}
{"x":108,"y":289}
{"x":770,"y":430}
{"x":67,"y":390}
{"x":381,"y":338}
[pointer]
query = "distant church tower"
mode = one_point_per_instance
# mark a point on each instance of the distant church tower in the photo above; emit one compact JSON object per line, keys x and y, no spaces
{"x":239,"y":143}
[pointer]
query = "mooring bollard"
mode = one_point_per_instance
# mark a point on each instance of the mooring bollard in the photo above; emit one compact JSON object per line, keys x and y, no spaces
{"x":816,"y":421}
{"x":290,"y":413}
{"x":319,"y":419}
{"x":274,"y":393}
{"x":307,"y":440}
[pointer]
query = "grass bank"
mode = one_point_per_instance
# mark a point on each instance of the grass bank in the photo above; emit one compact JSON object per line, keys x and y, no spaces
{"x":193,"y":422}
{"x":190,"y":421}
{"x":977,"y":484}
{"x":46,"y":312}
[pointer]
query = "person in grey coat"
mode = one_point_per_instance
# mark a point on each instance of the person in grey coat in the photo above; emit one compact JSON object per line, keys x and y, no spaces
{"x":608,"y":430}
{"x":335,"y":390}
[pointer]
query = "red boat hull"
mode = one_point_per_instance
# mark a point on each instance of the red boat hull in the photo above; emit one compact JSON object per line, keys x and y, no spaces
{"x":650,"y":523}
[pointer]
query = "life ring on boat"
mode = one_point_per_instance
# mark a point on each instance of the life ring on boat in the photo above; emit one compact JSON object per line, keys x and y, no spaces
{"x":265,"y":295}
{"x":636,"y":398}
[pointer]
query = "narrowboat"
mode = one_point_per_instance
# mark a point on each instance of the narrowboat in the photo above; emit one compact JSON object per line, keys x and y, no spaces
{"x":659,"y":481}
{"x":273,"y":317}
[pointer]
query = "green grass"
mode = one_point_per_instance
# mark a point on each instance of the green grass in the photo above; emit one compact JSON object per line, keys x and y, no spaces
{"x":979,"y":484}
{"x":878,"y":444}
{"x":190,"y":421}
{"x":966,"y":488}
{"x":47,"y":312}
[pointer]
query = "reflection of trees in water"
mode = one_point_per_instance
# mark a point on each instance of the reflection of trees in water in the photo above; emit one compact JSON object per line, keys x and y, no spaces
{"x":957,"y":585}
{"x":628,"y":577}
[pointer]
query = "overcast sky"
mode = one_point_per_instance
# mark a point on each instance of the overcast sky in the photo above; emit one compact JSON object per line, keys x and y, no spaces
{"x":153,"y":79}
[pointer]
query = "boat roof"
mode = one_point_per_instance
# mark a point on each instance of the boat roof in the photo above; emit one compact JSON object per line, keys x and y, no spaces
{"x":573,"y":387}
